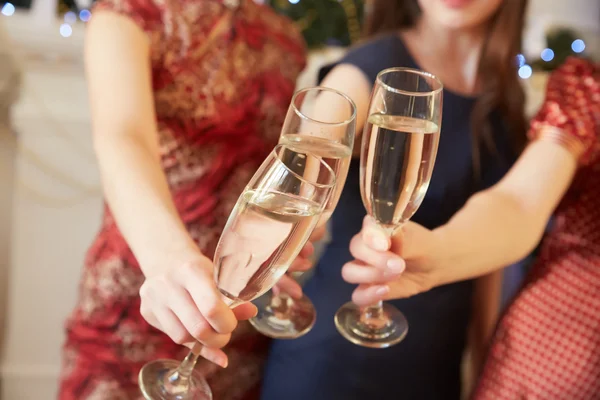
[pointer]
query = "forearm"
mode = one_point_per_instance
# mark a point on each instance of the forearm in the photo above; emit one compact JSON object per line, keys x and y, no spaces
{"x":477,"y":241}
{"x":137,"y":192}
{"x":502,"y":225}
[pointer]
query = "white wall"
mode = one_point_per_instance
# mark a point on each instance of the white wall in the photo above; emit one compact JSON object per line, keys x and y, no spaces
{"x":52,"y":222}
{"x":49,"y":239}
{"x":581,"y":15}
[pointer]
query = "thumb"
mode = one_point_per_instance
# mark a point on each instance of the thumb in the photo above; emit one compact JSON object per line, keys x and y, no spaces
{"x":412,"y":241}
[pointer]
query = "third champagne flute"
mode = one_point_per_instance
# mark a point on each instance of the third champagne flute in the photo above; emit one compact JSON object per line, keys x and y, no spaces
{"x":399,"y":147}
{"x":321,"y":121}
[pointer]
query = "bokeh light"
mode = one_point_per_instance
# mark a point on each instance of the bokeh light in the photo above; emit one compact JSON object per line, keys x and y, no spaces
{"x":525,"y":72}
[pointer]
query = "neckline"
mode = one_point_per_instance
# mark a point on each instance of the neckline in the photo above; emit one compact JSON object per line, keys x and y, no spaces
{"x":398,"y":39}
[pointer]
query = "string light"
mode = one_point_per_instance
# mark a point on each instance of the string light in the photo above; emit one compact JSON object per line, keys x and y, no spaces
{"x":578,"y":46}
{"x":8,"y":9}
{"x":70,"y":17}
{"x":520,"y":60}
{"x":66,"y":30}
{"x":85,"y":15}
{"x":294,"y":1}
{"x":547,"y":55}
{"x":525,"y":72}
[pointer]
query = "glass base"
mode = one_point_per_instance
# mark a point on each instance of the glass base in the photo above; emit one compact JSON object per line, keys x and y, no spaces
{"x":282,"y":317}
{"x":391,"y":328}
{"x":154,"y":383}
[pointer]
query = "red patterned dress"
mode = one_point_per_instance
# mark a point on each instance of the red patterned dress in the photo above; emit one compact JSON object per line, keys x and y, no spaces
{"x":547,"y":346}
{"x":223,"y":76}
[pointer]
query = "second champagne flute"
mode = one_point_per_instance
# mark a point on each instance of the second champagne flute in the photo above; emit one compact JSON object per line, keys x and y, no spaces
{"x":270,"y":223}
{"x":399,"y":146}
{"x":321,"y":121}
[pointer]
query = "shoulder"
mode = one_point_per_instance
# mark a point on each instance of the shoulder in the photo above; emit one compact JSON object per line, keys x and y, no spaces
{"x":572,"y":105}
{"x":144,"y":12}
{"x":374,"y":55}
{"x":378,"y":46}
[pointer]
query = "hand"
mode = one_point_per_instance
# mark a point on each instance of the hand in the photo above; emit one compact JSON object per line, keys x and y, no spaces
{"x":390,"y":269}
{"x":185,"y":303}
{"x":302,"y":263}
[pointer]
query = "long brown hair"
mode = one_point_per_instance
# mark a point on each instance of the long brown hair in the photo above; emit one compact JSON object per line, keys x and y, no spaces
{"x":497,"y":71}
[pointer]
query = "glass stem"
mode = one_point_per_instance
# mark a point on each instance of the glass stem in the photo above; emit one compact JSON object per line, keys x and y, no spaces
{"x":375,"y":311}
{"x":180,"y":378}
{"x":373,"y":316}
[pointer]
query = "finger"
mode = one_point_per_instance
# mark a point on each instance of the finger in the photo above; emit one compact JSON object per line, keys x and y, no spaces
{"x":245,"y":311}
{"x":172,"y":326}
{"x":300,"y":264}
{"x":200,"y":285}
{"x":307,"y":250}
{"x":289,"y":286}
{"x":357,"y":272}
{"x":384,"y":260}
{"x":185,"y":309}
{"x":318,"y":233}
{"x":216,"y":356}
{"x":149,"y":316}
{"x":366,"y":295}
{"x":374,"y":236}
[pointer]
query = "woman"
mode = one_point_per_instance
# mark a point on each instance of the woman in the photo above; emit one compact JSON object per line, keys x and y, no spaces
{"x":187,"y":99}
{"x":471,"y":45}
{"x":547,"y":345}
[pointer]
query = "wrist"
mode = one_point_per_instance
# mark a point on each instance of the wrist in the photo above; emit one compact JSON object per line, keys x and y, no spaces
{"x":439,"y":257}
{"x":162,"y":259}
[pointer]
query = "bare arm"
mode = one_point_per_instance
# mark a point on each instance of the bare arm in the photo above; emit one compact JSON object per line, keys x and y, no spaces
{"x":351,"y":81}
{"x":178,"y":296}
{"x":494,"y":229}
{"x":126,"y":143}
{"x":502,"y":225}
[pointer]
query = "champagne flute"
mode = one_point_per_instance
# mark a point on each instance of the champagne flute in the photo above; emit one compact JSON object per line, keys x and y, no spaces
{"x":399,"y":147}
{"x":321,"y":121}
{"x":270,"y":223}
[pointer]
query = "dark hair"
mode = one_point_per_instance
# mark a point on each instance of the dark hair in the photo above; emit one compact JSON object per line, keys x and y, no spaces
{"x":497,"y":71}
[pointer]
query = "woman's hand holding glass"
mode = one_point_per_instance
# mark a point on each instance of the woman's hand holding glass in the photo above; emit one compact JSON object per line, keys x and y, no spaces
{"x":386,"y":269}
{"x":185,"y":303}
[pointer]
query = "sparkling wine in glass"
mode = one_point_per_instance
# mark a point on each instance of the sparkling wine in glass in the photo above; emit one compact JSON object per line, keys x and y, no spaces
{"x":270,"y":223}
{"x":320,"y":121}
{"x":399,"y":147}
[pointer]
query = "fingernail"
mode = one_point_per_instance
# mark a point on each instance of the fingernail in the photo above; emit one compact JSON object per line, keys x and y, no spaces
{"x":382,"y":291}
{"x":395,"y":265}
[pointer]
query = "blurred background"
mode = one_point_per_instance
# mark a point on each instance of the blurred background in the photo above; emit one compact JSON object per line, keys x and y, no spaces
{"x":50,"y":198}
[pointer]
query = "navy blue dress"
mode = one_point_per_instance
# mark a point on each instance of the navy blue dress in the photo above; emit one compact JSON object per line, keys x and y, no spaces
{"x":324,"y":366}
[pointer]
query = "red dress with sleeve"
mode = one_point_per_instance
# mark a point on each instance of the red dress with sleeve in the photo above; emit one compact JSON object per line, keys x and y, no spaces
{"x":547,"y":345}
{"x":223,"y":75}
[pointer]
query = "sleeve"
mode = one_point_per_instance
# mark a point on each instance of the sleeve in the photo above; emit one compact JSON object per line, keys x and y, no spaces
{"x":570,"y":114}
{"x":146,"y":14}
